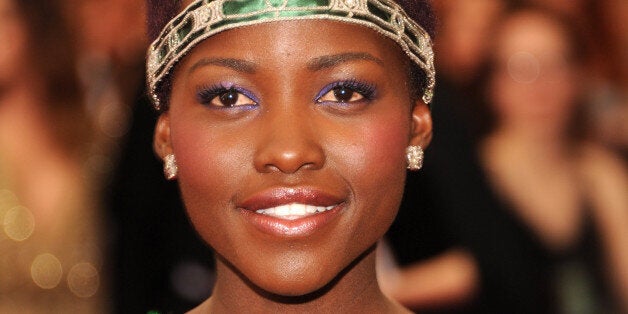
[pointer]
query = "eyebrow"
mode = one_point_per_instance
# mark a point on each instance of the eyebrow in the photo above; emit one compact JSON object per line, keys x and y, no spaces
{"x":231,"y":63}
{"x":330,"y":61}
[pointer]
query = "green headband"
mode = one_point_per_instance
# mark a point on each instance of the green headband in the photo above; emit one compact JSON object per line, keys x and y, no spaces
{"x":204,"y":18}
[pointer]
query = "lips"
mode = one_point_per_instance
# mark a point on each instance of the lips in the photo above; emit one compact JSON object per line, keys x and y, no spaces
{"x":291,"y":211}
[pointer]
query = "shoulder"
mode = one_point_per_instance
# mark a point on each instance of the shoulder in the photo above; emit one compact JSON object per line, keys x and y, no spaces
{"x":600,"y":165}
{"x":605,"y":181}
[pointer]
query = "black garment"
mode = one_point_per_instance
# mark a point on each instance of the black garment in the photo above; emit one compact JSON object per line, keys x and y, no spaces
{"x":159,"y":263}
{"x":449,"y":204}
{"x":422,"y":229}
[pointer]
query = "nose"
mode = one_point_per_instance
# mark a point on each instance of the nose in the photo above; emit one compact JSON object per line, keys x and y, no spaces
{"x":288,"y":142}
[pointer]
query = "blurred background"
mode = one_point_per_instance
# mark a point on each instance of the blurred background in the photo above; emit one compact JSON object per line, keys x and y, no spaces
{"x":522,"y":206}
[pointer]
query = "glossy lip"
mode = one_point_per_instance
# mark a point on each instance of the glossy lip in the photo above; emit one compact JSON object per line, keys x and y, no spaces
{"x":290,"y":228}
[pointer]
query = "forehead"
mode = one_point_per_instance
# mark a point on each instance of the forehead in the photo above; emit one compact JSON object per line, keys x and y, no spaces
{"x":283,"y":43}
{"x":534,"y":33}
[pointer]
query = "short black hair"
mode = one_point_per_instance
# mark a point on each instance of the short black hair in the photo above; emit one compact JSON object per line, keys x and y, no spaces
{"x":159,"y":12}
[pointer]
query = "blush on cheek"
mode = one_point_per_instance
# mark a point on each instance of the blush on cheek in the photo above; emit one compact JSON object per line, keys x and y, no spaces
{"x":378,"y":170}
{"x":200,"y":157}
{"x":384,"y":144}
{"x":375,"y":163}
{"x":205,"y":168}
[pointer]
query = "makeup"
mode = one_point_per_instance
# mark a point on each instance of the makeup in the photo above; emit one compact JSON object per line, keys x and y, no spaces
{"x":345,"y":91}
{"x":226,"y":95}
{"x":291,"y":212}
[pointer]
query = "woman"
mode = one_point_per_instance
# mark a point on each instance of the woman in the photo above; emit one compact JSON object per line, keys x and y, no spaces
{"x":286,"y":125}
{"x":566,"y":199}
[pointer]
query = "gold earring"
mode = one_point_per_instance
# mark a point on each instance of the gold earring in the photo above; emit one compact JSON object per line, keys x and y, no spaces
{"x":170,"y":167}
{"x":414,"y":156}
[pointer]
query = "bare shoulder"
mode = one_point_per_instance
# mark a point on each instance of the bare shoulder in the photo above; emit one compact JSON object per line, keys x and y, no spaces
{"x":606,"y":182}
{"x":602,"y":166}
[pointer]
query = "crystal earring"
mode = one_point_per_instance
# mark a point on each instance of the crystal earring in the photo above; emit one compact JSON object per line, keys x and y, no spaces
{"x":414,"y":156}
{"x":170,"y":167}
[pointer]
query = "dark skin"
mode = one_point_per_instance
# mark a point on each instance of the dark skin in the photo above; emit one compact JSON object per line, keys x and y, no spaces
{"x":289,"y":131}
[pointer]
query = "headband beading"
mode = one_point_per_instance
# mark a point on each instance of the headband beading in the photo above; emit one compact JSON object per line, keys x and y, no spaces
{"x":204,"y":18}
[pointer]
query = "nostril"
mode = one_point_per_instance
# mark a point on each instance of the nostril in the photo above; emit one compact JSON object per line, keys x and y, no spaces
{"x":279,"y":158}
{"x":308,"y":166}
{"x":269,"y":168}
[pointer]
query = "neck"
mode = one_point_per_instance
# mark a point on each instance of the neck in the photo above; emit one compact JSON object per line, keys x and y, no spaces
{"x":355,"y":290}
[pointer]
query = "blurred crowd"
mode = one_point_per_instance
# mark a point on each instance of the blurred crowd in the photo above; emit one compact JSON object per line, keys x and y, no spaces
{"x":521,"y":206}
{"x":69,"y":75}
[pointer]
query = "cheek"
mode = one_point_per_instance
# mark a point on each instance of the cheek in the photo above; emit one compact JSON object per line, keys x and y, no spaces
{"x":196,"y":154}
{"x":208,"y":171}
{"x":377,"y":170}
{"x":383,"y":146}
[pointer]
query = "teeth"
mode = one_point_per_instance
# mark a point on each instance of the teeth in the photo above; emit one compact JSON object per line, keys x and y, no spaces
{"x":293,"y":211}
{"x":283,"y":210}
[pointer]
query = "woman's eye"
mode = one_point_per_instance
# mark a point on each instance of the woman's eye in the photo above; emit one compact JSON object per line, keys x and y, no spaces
{"x":341,"y":94}
{"x":345,"y":92}
{"x":225,"y":97}
{"x":232,"y":98}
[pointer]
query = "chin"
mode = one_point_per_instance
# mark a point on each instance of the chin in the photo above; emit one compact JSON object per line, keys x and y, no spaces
{"x":295,"y":289}
{"x":295,"y":279}
{"x":302,"y":277}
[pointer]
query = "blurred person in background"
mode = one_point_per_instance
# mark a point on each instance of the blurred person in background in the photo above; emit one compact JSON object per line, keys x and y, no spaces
{"x":562,"y":196}
{"x":50,"y":233}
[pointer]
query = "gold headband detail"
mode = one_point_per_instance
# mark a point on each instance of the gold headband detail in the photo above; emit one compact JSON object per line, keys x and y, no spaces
{"x":204,"y":18}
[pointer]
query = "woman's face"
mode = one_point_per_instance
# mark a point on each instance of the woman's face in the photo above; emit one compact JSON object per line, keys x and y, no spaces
{"x":534,"y":79}
{"x":273,"y":122}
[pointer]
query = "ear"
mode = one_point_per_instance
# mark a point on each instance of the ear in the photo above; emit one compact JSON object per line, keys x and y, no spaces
{"x":162,"y":143}
{"x":421,"y":127}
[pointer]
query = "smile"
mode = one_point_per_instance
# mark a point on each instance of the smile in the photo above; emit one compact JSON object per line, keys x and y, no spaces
{"x":294,"y":211}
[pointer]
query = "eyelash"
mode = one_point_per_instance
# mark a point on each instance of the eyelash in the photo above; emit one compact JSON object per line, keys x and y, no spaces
{"x":366,"y":89}
{"x":207,"y":93}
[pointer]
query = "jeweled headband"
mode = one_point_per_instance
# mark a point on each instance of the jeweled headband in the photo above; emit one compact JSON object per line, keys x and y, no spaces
{"x":204,"y":18}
